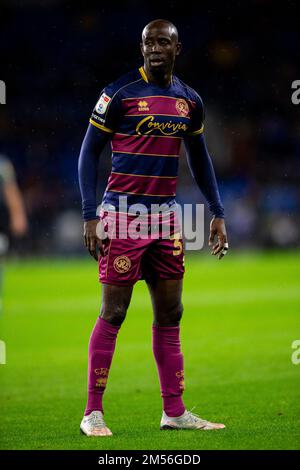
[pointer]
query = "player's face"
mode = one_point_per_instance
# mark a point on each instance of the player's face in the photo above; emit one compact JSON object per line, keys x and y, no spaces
{"x":159,"y":48}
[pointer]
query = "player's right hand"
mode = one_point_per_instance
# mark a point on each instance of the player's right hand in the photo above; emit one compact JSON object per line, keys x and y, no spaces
{"x":91,"y":240}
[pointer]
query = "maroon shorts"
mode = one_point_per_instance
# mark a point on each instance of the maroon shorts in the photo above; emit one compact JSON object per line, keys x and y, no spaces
{"x":156,"y":251}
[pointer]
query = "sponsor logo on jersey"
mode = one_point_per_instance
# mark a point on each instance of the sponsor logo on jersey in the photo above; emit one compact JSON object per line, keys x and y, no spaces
{"x":122,"y":264}
{"x":102,"y":103}
{"x":182,"y":107}
{"x":143,"y":106}
{"x":149,"y":124}
{"x":95,"y":117}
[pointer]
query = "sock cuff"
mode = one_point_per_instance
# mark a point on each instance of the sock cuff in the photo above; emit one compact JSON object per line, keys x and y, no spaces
{"x":166,"y":337}
{"x":167,"y":332}
{"x":108,"y":327}
{"x":166,"y":329}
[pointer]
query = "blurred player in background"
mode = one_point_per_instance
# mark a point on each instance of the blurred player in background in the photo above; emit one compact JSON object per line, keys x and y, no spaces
{"x":146,"y":114}
{"x":13,"y":219}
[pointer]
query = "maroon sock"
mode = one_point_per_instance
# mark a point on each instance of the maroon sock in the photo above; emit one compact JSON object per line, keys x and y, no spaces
{"x":169,"y":360}
{"x":101,"y":350}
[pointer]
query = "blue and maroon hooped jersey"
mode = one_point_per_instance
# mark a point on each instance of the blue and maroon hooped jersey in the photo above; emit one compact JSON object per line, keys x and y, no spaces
{"x":147,"y":124}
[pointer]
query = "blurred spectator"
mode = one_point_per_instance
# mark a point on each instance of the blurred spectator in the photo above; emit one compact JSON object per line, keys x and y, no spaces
{"x":13,"y":219}
{"x":12,"y":212}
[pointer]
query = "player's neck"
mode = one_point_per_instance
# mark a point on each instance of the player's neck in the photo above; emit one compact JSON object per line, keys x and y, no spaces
{"x":160,"y":79}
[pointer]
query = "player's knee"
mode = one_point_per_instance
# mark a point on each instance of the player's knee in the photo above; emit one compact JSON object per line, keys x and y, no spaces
{"x":171,"y":317}
{"x":115,"y":316}
{"x":177,"y":314}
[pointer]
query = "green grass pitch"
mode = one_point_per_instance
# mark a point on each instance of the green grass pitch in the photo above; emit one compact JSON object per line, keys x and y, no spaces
{"x":241,"y":317}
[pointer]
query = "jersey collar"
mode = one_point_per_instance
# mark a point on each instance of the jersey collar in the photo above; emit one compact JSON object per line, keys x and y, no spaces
{"x":144,"y":75}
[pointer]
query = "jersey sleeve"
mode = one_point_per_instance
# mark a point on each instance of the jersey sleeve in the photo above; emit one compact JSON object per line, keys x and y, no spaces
{"x":107,"y":112}
{"x":197,"y":116}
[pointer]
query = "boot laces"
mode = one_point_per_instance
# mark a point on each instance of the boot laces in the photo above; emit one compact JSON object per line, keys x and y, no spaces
{"x":194,"y":417}
{"x":96,"y":420}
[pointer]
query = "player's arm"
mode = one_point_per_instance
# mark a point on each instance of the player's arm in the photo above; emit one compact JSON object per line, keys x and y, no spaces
{"x":104,"y":121}
{"x":92,"y":146}
{"x":13,"y":200}
{"x":202,"y":169}
{"x":17,"y":214}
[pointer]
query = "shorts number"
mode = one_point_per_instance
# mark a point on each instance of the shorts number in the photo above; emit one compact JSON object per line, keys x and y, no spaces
{"x":177,"y":247}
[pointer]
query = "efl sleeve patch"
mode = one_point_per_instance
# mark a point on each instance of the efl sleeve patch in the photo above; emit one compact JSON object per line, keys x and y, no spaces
{"x":107,"y":113}
{"x":102,"y":104}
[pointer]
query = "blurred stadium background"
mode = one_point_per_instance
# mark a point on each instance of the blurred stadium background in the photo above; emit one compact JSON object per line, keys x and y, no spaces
{"x":241,"y":57}
{"x":242,"y":314}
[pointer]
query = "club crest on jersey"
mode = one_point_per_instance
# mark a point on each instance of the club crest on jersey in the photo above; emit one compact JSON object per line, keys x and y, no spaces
{"x":102,"y":103}
{"x":143,"y":106}
{"x":122,"y":264}
{"x":182,"y":107}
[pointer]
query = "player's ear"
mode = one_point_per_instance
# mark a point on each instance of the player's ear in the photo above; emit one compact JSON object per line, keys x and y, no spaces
{"x":142,"y":48}
{"x":178,"y":48}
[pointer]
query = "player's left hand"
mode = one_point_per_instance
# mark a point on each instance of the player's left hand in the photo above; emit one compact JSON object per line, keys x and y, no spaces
{"x":218,"y":229}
